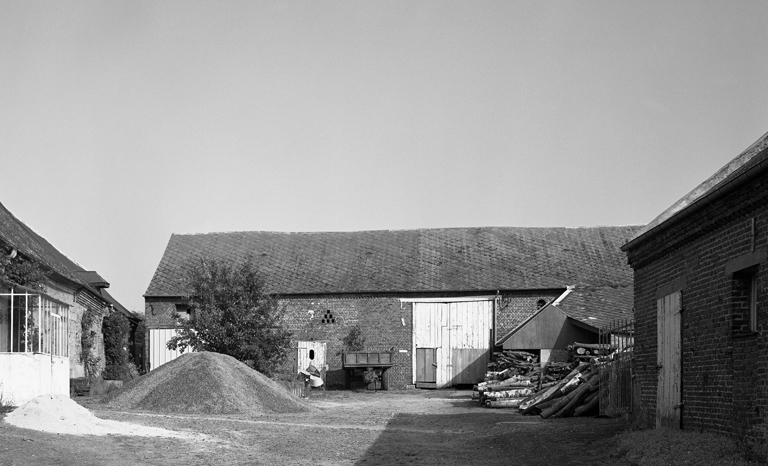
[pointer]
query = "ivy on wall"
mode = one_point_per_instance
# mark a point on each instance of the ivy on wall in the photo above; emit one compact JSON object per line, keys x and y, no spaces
{"x":88,"y":342}
{"x":15,"y":269}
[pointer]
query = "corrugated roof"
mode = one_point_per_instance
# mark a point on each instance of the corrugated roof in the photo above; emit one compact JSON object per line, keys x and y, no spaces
{"x":753,"y":157}
{"x":425,"y":260}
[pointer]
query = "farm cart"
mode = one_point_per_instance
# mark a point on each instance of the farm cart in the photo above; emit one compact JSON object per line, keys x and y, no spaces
{"x":374,"y":366}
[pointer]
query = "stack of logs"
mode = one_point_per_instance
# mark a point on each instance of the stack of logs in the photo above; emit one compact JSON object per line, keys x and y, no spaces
{"x":588,"y":351}
{"x":515,"y":375}
{"x":576,"y":395}
{"x":515,"y":380}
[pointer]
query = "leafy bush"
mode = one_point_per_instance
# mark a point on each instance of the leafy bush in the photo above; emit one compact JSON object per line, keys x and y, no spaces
{"x":232,"y":314}
{"x":116,"y":329}
{"x":354,"y":340}
{"x":667,"y":447}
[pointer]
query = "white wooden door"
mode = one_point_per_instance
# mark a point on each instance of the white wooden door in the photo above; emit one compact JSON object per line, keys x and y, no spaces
{"x":310,"y":352}
{"x":669,"y":361}
{"x":459,"y":332}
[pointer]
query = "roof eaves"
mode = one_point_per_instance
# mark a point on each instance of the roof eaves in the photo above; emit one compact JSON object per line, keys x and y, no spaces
{"x":714,"y":193}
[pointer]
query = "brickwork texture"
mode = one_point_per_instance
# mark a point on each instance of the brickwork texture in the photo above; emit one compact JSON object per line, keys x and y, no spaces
{"x":724,"y":365}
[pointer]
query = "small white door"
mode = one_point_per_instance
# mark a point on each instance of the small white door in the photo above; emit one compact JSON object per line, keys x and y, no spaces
{"x":310,"y":352}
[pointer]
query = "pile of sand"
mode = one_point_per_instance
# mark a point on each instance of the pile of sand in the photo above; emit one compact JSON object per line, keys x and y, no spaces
{"x":61,"y":415}
{"x":206,"y":383}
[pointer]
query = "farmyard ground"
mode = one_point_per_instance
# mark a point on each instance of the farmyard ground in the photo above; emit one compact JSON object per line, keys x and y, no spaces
{"x":442,"y":427}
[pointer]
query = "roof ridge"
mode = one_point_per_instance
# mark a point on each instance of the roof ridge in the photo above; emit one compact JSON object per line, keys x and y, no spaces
{"x":276,"y":232}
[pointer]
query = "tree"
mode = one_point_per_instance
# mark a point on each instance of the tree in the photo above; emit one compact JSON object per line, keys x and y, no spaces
{"x":231,"y":313}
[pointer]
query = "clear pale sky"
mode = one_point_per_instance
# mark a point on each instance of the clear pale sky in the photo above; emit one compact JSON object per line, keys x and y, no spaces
{"x":124,"y":122}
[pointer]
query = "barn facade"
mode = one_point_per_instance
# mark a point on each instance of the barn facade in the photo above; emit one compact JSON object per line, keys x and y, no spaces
{"x":437,"y":299}
{"x":700,"y":294}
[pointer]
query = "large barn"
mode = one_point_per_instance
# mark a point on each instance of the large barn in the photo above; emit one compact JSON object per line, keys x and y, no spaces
{"x":438,"y":299}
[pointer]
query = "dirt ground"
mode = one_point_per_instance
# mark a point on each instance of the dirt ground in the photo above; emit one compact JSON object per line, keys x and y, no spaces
{"x":441,"y":427}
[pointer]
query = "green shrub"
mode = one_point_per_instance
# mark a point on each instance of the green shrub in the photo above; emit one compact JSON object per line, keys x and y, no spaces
{"x":116,"y":330}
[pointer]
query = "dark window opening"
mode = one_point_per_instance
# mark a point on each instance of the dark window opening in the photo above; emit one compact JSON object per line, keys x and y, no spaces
{"x":744,"y":301}
{"x":328,"y":318}
{"x":311,"y":355}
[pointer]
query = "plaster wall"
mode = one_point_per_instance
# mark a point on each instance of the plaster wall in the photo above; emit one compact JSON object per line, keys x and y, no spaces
{"x":27,"y":375}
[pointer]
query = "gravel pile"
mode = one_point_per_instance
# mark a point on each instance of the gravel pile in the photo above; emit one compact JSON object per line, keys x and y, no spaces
{"x":206,"y":383}
{"x":61,"y":415}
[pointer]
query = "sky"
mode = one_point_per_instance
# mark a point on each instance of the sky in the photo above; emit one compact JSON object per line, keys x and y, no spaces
{"x":123,"y":122}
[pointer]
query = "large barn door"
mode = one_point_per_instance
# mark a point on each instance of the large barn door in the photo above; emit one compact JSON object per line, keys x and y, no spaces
{"x":470,"y":324}
{"x":669,"y":361}
{"x":455,"y":337}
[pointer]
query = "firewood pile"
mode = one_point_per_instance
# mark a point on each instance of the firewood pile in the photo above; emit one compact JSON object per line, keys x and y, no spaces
{"x":589,"y":351}
{"x":514,"y":376}
{"x":516,"y":380}
{"x":575,"y":395}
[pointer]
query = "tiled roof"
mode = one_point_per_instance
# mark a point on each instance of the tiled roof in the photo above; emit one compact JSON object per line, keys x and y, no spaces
{"x":14,"y":233}
{"x":753,"y":157}
{"x":18,"y":235}
{"x":426,"y":260}
{"x":599,"y":306}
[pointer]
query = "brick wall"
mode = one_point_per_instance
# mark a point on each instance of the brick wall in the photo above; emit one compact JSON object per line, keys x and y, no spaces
{"x":724,"y":368}
{"x":386,"y":324}
{"x":515,"y":308}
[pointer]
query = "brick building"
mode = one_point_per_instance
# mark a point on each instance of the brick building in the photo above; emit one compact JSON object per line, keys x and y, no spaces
{"x":700,"y":293}
{"x":449,"y":291}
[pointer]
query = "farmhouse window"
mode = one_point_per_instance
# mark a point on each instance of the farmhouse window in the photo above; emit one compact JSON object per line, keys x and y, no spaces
{"x":31,"y":322}
{"x":744,"y":301}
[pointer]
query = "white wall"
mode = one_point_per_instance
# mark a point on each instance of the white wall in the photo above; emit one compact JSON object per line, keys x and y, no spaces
{"x":24,"y":376}
{"x":159,"y":354}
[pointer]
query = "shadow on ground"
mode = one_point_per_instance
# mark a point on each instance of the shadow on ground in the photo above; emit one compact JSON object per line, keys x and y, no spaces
{"x":486,"y":437}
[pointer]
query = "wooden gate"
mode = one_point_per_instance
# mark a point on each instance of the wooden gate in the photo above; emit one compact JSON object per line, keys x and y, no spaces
{"x":669,"y":361}
{"x":457,"y":332}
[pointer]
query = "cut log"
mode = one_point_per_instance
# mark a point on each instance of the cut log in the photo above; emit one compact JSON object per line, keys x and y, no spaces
{"x":519,"y":393}
{"x":592,"y":395}
{"x":581,"y":388}
{"x":553,"y":391}
{"x":507,"y":403}
{"x":577,"y":397}
{"x":594,"y":346}
{"x":588,"y":408}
